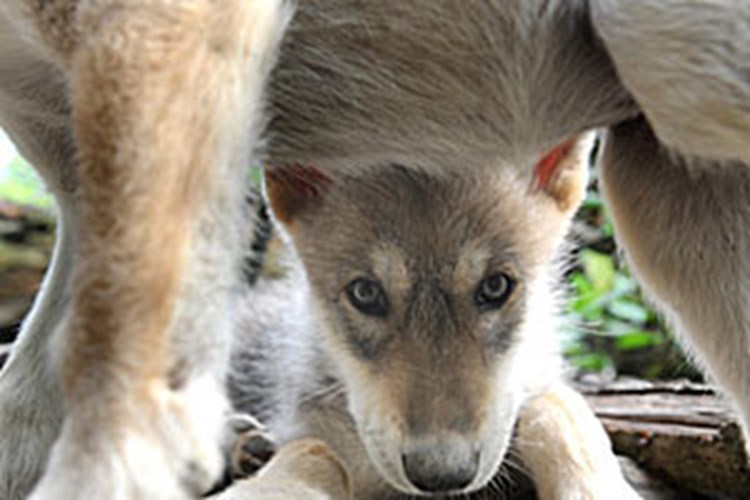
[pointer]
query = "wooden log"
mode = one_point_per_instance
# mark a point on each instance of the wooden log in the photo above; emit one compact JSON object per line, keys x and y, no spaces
{"x":679,"y":431}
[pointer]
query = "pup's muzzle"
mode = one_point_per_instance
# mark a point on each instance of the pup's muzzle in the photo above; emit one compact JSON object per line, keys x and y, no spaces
{"x":441,"y":466}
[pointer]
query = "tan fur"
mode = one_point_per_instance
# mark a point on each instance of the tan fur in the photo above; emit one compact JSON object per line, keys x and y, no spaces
{"x":54,"y":24}
{"x":568,"y":183}
{"x":389,"y":262}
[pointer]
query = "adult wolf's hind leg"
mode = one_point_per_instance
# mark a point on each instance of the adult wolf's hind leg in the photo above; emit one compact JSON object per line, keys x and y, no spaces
{"x":166,"y":101}
{"x":685,"y":230}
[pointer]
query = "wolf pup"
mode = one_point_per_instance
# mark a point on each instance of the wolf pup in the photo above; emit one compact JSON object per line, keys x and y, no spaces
{"x":421,"y":329}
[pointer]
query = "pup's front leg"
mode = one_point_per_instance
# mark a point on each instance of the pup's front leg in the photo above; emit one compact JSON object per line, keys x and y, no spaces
{"x":166,"y":103}
{"x":304,"y":469}
{"x":566,"y":449}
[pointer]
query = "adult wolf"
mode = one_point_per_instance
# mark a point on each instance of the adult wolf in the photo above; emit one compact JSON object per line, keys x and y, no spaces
{"x":141,"y":115}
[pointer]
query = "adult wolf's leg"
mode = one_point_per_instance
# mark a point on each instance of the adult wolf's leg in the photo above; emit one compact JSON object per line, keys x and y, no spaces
{"x":166,"y":100}
{"x":684,"y":224}
{"x":685,"y":229}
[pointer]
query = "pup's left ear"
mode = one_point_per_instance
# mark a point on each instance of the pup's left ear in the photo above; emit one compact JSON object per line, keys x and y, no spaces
{"x":562,"y":173}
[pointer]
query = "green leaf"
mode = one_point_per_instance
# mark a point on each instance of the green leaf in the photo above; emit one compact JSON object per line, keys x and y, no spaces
{"x":599,"y":269}
{"x":638,"y":340}
{"x":628,"y":311}
{"x":592,"y":202}
{"x":592,"y":362}
{"x":614,"y":327}
{"x":624,"y":285}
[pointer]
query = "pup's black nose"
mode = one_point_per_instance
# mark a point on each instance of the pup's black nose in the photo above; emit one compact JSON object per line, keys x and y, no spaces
{"x":440,"y":470}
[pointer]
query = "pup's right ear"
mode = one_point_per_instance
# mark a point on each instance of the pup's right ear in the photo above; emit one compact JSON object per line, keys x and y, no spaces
{"x":563,"y":172}
{"x":293,"y":189}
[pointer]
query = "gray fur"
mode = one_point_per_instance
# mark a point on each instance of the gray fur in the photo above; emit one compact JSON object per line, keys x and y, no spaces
{"x":444,"y":84}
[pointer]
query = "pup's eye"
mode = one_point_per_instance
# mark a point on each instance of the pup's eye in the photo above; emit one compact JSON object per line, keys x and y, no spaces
{"x":368,"y":297}
{"x":493,"y":291}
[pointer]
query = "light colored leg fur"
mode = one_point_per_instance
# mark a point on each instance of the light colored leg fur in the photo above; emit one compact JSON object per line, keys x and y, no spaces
{"x":566,"y":450}
{"x":685,"y":228}
{"x":143,"y":351}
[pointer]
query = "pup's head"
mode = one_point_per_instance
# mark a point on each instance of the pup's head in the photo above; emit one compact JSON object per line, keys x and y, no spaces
{"x":434,"y":297}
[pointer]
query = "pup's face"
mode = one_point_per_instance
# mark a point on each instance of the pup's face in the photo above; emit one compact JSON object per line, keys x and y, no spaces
{"x":429,"y":290}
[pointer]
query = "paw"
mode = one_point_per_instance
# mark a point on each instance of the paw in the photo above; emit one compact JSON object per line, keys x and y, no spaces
{"x":164,"y":445}
{"x":252,"y":448}
{"x":303,"y":469}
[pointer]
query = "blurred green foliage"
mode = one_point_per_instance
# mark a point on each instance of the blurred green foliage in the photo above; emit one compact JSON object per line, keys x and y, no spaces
{"x":610,"y":326}
{"x":19,"y":184}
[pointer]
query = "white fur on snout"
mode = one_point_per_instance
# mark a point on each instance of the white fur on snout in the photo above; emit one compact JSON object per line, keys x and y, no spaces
{"x":385,"y":441}
{"x":494,"y":437}
{"x":385,"y":444}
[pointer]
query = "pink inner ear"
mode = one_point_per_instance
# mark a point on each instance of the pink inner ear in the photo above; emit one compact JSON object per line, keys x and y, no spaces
{"x":306,"y":180}
{"x":546,"y":169}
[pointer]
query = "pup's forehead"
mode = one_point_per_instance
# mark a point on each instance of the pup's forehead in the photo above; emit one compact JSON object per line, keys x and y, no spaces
{"x":441,"y":217}
{"x":405,"y":226}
